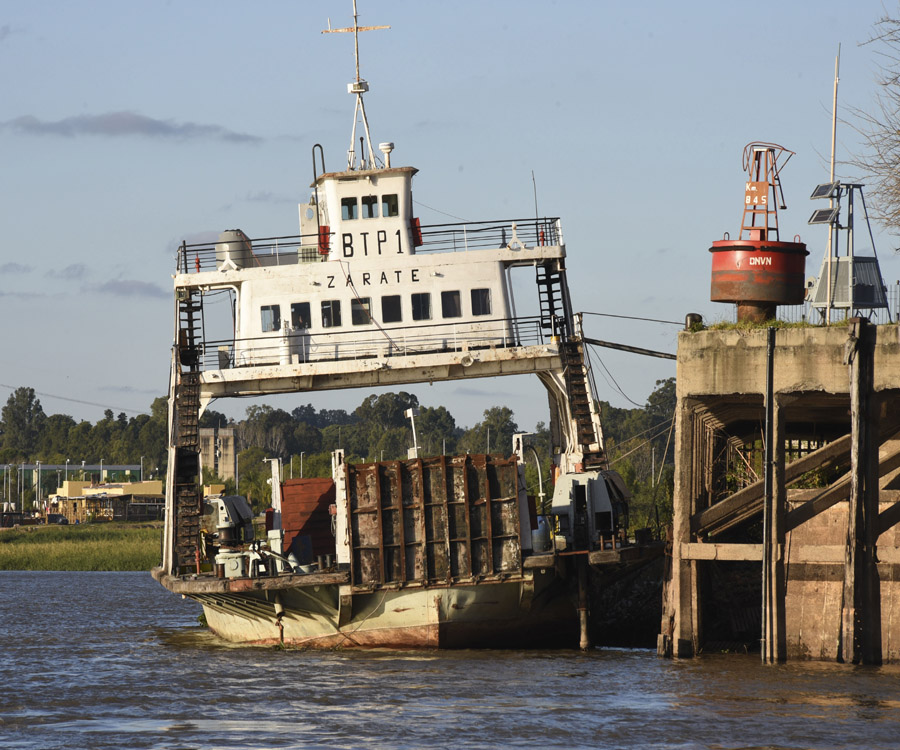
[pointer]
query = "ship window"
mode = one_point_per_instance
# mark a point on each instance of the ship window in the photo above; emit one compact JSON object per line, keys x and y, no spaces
{"x":370,"y":206}
{"x":361,"y":311}
{"x":390,"y":309}
{"x":390,"y":206}
{"x":349,"y":208}
{"x":331,"y":313}
{"x":481,"y":302}
{"x":421,"y":306}
{"x":451,"y":305}
{"x":271,"y":318}
{"x":300,"y":315}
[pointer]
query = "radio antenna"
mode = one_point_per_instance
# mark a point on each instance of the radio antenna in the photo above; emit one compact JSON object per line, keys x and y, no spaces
{"x":358,"y":87}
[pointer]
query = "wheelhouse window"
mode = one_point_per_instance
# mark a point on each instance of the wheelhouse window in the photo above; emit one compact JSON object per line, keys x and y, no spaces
{"x":349,"y":208}
{"x":370,"y":206}
{"x":451,"y":305}
{"x":331,"y":313}
{"x":421,"y":306}
{"x":361,"y":311}
{"x":390,"y":309}
{"x":270,"y":318}
{"x":481,"y":302}
{"x":300,"y":315}
{"x":390,"y":206}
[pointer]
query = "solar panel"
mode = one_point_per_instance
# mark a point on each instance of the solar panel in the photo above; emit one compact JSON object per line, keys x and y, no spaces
{"x":825,"y":190}
{"x":825,"y":215}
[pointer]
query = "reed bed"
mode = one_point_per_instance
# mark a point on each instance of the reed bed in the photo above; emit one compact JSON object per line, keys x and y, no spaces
{"x":80,"y":547}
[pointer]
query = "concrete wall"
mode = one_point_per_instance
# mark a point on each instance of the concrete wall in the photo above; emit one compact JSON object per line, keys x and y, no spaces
{"x":721,"y":386}
{"x":806,"y":360}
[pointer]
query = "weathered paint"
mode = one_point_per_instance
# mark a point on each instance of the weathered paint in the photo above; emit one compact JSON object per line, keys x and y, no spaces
{"x":762,"y":272}
{"x":487,"y":614}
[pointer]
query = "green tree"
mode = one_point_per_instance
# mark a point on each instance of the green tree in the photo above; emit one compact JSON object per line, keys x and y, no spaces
{"x":436,"y":430}
{"x":211,"y":418}
{"x":380,"y":421}
{"x":253,"y":475}
{"x":493,"y":434}
{"x":23,"y":420}
{"x":53,"y":444}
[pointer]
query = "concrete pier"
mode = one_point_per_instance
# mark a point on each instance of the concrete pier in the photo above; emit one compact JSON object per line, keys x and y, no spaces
{"x":786,"y":494}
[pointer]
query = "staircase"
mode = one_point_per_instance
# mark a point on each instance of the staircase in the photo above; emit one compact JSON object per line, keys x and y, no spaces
{"x":188,"y":495}
{"x":579,"y":394}
{"x":552,"y":297}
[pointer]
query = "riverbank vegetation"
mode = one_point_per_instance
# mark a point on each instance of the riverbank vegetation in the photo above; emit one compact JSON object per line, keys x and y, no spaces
{"x":105,"y":546}
{"x":639,"y":442}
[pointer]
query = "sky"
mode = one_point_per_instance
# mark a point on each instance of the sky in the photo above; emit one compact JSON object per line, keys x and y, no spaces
{"x":126,"y":128}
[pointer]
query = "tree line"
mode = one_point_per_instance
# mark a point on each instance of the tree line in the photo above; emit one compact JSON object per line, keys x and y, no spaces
{"x":378,"y":429}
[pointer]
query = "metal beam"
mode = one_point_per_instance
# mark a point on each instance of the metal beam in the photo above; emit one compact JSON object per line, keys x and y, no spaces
{"x":632,"y":349}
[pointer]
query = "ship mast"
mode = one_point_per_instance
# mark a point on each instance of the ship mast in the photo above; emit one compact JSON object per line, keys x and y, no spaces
{"x":358,"y":87}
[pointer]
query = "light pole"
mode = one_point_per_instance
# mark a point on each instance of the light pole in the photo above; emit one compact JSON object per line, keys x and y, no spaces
{"x":142,"y":468}
{"x":67,"y":469}
{"x":412,"y":414}
{"x":301,"y":463}
{"x":101,"y":471}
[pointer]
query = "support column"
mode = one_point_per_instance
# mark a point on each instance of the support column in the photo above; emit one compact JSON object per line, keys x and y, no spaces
{"x":775,"y":638}
{"x":861,"y":611}
{"x":680,"y":627}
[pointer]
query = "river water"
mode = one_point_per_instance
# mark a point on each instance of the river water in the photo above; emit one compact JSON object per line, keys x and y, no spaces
{"x":112,"y":660}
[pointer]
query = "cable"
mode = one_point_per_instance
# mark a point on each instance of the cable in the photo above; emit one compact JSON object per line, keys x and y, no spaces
{"x":75,"y":400}
{"x":644,"y":432}
{"x":615,"y":384}
{"x":638,"y":447}
{"x":452,"y":216}
{"x":632,"y":317}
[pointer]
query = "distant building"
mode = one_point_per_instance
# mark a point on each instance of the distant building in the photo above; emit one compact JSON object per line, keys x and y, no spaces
{"x":217,"y":451}
{"x":82,"y":502}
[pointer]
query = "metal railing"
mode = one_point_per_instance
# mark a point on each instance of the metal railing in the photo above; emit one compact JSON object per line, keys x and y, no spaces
{"x":484,"y":235}
{"x":436,"y":238}
{"x":299,"y":346}
{"x":806,"y":314}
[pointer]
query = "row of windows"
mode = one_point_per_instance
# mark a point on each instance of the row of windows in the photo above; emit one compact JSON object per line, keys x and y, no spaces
{"x":361,"y":312}
{"x":350,"y":207}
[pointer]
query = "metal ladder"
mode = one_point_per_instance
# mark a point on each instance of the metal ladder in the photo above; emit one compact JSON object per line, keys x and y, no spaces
{"x":186,"y":435}
{"x":580,"y":402}
{"x":554,"y":299}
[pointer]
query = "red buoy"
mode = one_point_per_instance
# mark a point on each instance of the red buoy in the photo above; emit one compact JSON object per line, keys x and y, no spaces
{"x":758,"y":272}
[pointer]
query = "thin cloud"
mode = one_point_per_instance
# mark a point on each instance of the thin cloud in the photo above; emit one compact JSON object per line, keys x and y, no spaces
{"x":5,"y":31}
{"x":124,"y":124}
{"x":15,"y":268}
{"x":74,"y":271}
{"x":266,"y":196}
{"x":130,"y":288}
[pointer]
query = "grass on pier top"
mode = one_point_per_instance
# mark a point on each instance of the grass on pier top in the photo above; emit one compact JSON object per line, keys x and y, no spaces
{"x":96,"y":546}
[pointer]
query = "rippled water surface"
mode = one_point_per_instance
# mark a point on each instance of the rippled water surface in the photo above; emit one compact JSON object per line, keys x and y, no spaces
{"x":112,"y":660}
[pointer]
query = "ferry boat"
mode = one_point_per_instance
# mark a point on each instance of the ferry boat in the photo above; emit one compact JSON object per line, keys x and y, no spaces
{"x":440,"y":551}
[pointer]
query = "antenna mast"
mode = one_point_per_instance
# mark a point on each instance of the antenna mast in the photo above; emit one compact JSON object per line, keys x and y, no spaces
{"x":358,"y":87}
{"x":837,"y":67}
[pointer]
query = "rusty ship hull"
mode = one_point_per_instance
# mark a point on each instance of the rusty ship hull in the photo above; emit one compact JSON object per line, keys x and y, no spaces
{"x":534,"y":610}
